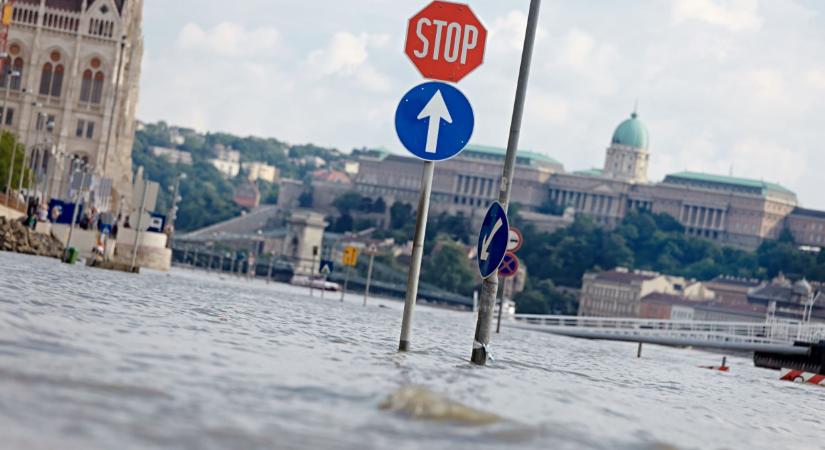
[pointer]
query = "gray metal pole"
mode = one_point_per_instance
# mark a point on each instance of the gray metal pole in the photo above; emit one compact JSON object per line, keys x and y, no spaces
{"x":11,"y":174}
{"x":417,"y":253}
{"x":639,"y":351}
{"x":490,"y":284}
{"x":7,"y":87}
{"x":369,"y":279}
{"x":312,"y":273}
{"x":74,"y":215}
{"x":501,"y":306}
{"x":173,"y":211}
{"x":138,"y":229}
{"x":346,"y":282}
{"x":269,"y":271}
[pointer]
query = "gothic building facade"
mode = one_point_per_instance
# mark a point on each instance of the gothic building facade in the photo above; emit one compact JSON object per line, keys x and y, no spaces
{"x":71,"y":90}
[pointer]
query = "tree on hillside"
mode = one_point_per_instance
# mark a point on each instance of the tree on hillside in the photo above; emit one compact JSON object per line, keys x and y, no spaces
{"x":449,"y":268}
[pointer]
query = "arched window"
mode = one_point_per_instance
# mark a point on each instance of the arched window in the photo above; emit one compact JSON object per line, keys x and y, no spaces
{"x":57,"y":81}
{"x":18,"y":68}
{"x":46,"y":79}
{"x":86,"y":86}
{"x":97,"y":88}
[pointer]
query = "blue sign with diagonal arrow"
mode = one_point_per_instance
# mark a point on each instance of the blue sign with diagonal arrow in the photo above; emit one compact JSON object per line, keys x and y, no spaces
{"x":492,"y":240}
{"x":434,"y":121}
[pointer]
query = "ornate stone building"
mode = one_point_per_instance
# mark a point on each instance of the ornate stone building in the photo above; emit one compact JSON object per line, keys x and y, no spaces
{"x":73,"y":88}
{"x":736,"y":211}
{"x":465,"y":184}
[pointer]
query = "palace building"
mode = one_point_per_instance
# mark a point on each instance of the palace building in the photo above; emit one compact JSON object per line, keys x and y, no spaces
{"x":72,"y":89}
{"x":735,"y":211}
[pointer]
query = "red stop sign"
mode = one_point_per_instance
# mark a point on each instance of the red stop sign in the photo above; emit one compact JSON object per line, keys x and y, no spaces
{"x":446,"y":41}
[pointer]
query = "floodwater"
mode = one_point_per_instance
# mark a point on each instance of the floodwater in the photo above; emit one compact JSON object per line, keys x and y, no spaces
{"x":92,"y":359}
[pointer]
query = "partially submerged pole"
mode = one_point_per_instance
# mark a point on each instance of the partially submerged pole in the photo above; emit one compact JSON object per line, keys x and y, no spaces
{"x":639,"y":351}
{"x":417,"y":253}
{"x":369,"y":278}
{"x":490,"y":284}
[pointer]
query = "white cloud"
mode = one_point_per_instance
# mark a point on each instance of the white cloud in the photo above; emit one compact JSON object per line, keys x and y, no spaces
{"x":345,"y":52}
{"x":768,"y":161}
{"x":816,"y":78}
{"x":579,"y":53}
{"x":347,"y":55}
{"x":735,"y":15}
{"x":228,"y":39}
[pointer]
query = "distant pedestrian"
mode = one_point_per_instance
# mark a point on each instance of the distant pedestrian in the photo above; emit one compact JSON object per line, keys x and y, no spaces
{"x":43,"y":213}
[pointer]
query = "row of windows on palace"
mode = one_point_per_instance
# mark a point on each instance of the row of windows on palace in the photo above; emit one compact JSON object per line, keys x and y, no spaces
{"x":51,"y":78}
{"x":85,"y":128}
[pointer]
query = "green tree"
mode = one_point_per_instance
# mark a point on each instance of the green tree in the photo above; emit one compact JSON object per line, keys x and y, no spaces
{"x":449,"y":268}
{"x":400,"y":215}
{"x":11,"y":148}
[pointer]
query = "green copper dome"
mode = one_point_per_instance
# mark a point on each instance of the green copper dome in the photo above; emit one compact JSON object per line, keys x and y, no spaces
{"x":631,"y":133}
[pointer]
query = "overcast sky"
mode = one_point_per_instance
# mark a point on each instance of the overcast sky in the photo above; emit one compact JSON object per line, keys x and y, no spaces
{"x":723,"y":85}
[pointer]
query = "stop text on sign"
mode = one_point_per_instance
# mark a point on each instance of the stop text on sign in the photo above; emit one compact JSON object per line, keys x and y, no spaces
{"x":456,"y":41}
{"x":446,"y":41}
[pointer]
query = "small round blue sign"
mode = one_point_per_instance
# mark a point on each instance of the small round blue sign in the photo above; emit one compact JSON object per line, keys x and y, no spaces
{"x":434,"y":121}
{"x":492,"y":240}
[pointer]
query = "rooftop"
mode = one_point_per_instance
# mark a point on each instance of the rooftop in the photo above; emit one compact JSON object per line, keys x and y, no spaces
{"x":616,"y":276}
{"x":808,"y":213}
{"x":762,"y":187}
{"x":524,"y":156}
{"x":595,"y":172}
{"x":668,"y":299}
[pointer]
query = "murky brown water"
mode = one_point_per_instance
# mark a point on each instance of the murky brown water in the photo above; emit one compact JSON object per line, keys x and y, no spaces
{"x":93,"y":359}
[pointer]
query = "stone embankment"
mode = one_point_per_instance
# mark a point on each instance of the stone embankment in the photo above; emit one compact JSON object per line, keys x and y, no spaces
{"x":15,"y":237}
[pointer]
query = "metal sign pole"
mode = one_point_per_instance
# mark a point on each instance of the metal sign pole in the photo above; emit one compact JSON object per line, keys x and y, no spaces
{"x":346,"y":282}
{"x":417,"y":253}
{"x":312,"y":270}
{"x":501,"y":306}
{"x":369,"y":278}
{"x":490,"y":284}
{"x":139,"y":225}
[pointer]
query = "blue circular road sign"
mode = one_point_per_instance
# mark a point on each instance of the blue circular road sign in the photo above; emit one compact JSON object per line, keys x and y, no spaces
{"x":434,"y":121}
{"x":492,"y":240}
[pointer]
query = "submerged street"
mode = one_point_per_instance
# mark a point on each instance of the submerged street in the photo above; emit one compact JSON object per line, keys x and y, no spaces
{"x":98,"y":359}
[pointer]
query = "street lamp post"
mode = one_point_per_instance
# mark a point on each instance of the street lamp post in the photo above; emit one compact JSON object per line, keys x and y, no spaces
{"x":26,"y":154}
{"x":173,"y":211}
{"x":82,"y":167}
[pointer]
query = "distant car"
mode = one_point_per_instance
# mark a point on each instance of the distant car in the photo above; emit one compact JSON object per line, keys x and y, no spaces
{"x":317,"y":283}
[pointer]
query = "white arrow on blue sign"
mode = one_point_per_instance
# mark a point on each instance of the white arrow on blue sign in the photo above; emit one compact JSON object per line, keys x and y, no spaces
{"x":434,"y":121}
{"x":492,"y":240}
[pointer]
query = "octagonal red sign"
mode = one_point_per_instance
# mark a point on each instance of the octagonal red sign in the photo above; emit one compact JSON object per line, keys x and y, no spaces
{"x":446,"y":41}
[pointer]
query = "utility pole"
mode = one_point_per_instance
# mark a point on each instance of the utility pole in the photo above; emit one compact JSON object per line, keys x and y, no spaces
{"x":490,"y":284}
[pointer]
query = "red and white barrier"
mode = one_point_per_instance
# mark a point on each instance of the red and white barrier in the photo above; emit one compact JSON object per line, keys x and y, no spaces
{"x":802,"y":377}
{"x":719,"y":368}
